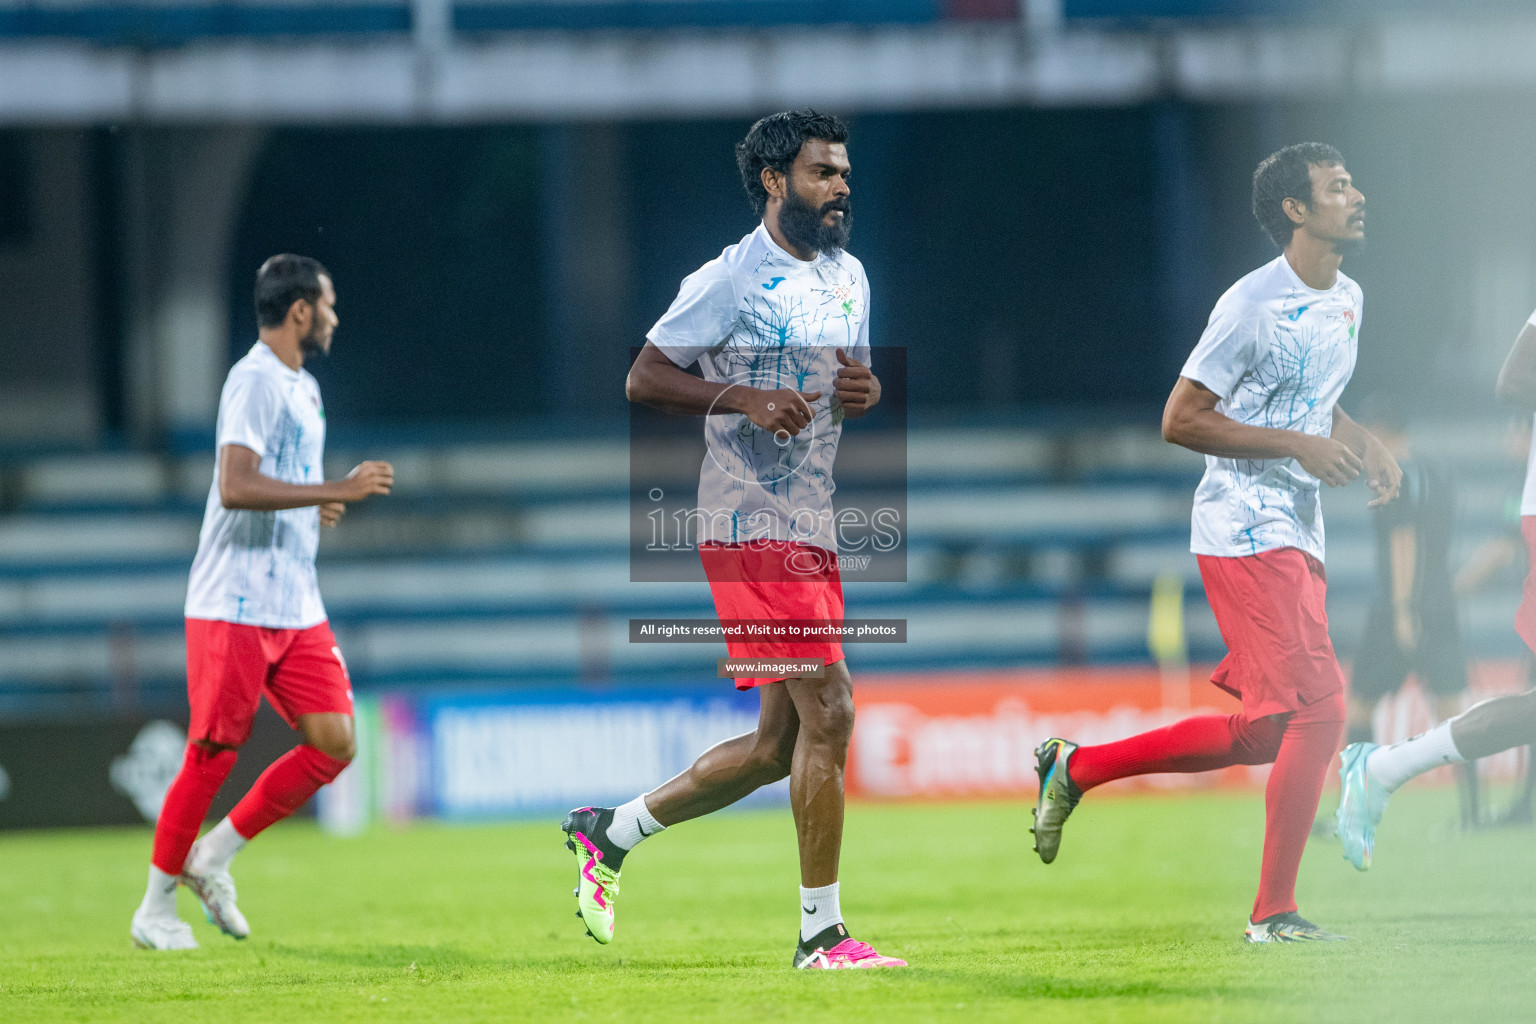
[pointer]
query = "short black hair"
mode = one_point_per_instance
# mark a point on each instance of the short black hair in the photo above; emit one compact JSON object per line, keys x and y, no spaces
{"x":1286,"y":174}
{"x":282,"y":281}
{"x":775,"y":141}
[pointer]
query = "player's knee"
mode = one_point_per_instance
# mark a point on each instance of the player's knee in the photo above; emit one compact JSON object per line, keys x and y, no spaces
{"x":332,"y":735}
{"x":772,"y":763}
{"x":1257,"y":740}
{"x":208,"y":748}
{"x":832,"y":722}
{"x":343,"y":750}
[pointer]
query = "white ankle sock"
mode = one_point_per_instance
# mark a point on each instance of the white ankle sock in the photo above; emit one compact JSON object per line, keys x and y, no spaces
{"x":160,"y":894}
{"x":819,"y":910}
{"x":216,"y":849}
{"x":1392,"y":766}
{"x":632,"y":822}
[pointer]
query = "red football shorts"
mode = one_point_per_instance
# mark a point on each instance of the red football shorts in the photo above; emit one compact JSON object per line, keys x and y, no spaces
{"x":775,"y":580}
{"x":229,"y":667}
{"x":1525,"y":615}
{"x":1270,"y":608}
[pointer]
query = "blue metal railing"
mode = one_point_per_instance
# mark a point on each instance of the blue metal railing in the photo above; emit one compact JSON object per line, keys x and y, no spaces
{"x":153,"y":26}
{"x":140,"y":25}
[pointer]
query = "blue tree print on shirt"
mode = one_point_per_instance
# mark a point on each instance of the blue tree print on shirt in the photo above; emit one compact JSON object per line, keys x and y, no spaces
{"x":1283,"y":392}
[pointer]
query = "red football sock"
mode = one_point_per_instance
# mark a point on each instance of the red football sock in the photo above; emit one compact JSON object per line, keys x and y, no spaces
{"x":283,"y":788}
{"x":1198,"y":744}
{"x":186,"y":804}
{"x":1290,"y":801}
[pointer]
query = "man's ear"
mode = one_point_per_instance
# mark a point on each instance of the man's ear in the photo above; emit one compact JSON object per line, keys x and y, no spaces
{"x":773,"y":181}
{"x":1295,"y":209}
{"x":300,"y":312}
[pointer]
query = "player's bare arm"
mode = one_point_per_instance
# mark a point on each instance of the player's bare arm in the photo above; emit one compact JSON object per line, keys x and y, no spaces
{"x":242,"y":485}
{"x":656,"y":381}
{"x":1382,"y":473}
{"x":857,"y":389}
{"x":1517,"y":377}
{"x":1190,"y":420}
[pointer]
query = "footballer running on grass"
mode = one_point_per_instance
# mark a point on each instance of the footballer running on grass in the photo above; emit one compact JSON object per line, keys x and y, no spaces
{"x":779,"y":324}
{"x":255,"y":622}
{"x":1259,"y":398}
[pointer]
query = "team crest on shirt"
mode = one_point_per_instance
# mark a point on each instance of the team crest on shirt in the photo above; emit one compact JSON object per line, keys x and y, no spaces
{"x":842,"y":294}
{"x":1348,"y":317}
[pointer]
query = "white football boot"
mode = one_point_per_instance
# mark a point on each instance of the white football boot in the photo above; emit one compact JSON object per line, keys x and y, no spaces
{"x":161,"y":931}
{"x":216,"y":891}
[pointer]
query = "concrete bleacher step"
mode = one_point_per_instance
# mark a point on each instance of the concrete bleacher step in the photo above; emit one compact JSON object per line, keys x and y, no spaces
{"x":509,"y":561}
{"x":95,"y":479}
{"x":95,"y":538}
{"x":392,"y":651}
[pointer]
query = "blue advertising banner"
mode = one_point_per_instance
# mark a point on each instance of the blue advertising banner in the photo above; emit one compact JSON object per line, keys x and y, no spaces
{"x":476,"y":755}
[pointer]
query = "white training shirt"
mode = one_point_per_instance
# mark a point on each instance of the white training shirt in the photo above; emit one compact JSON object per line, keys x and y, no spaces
{"x":759,"y":316}
{"x":1528,"y":496}
{"x":1278,"y":354}
{"x":258,"y":568}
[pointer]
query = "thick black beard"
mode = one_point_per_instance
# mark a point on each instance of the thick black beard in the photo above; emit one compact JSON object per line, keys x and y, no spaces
{"x":805,"y":225}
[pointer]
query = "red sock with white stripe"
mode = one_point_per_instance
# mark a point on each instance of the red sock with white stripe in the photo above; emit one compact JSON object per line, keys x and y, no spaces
{"x":283,"y":788}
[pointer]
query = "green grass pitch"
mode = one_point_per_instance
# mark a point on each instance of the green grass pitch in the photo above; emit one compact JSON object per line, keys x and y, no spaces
{"x":1139,"y":920}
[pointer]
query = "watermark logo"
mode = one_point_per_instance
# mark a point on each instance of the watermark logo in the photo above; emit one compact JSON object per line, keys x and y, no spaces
{"x":761,"y":468}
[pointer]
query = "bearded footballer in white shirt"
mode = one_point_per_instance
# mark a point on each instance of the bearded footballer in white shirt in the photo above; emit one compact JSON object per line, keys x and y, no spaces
{"x":779,"y":325}
{"x":255,"y":622}
{"x":1259,"y":398}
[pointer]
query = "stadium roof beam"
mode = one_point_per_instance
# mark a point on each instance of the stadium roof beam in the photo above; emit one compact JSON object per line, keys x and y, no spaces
{"x":565,"y":76}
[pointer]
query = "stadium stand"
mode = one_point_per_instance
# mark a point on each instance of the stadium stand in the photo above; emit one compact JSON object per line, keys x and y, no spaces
{"x":179,"y":22}
{"x":508,"y":563}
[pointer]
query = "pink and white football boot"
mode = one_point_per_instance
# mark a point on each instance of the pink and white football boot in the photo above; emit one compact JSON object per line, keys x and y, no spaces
{"x":849,"y":954}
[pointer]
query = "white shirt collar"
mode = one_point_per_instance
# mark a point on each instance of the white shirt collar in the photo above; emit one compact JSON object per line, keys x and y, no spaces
{"x":1296,"y":280}
{"x":264,"y":351}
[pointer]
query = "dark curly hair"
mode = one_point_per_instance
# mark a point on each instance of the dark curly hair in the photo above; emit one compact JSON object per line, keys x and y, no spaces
{"x":775,"y":141}
{"x":1283,"y":175}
